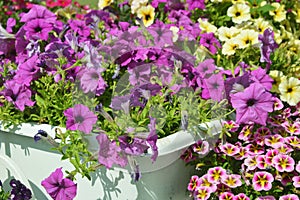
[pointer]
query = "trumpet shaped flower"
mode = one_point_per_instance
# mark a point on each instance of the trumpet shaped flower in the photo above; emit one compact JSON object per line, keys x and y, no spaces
{"x":262,"y":181}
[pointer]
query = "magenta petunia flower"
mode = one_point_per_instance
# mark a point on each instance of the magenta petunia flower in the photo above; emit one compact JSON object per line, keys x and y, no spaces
{"x":38,"y":12}
{"x":37,"y":29}
{"x":283,"y":163}
{"x":209,"y":41}
{"x":262,"y":181}
{"x":229,"y":149}
{"x":202,"y":193}
{"x":80,"y":118}
{"x":194,"y":183}
{"x":215,"y":174}
{"x":289,"y":197}
{"x":253,"y":104}
{"x":241,"y":196}
{"x":18,"y":94}
{"x":79,"y":26}
{"x":28,"y":71}
{"x":232,"y":180}
{"x":296,"y":181}
{"x":193,"y":4}
{"x":226,"y":196}
{"x":59,"y":188}
{"x":109,"y":152}
{"x":260,"y":76}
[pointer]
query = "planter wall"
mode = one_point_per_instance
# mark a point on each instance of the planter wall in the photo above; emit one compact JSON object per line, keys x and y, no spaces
{"x":31,"y":162}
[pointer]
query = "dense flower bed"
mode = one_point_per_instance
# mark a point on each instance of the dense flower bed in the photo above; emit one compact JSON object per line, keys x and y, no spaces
{"x":136,"y":71}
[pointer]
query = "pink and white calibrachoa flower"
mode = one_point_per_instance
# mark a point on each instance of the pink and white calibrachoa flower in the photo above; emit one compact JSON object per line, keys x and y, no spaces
{"x":241,"y":154}
{"x":298,"y":167}
{"x":270,"y":155}
{"x":203,"y":181}
{"x":215,"y":174}
{"x":262,"y":181}
{"x":289,"y":197}
{"x":226,"y":196}
{"x":246,"y":133}
{"x":284,"y":149}
{"x":283,"y":163}
{"x":202,"y":193}
{"x":278,"y":105}
{"x":241,"y":196}
{"x":296,"y":181}
{"x":232,"y":180}
{"x":231,"y":125}
{"x":194,"y":183}
{"x":261,"y":162}
{"x":274,"y":141}
{"x":229,"y":149}
{"x":263,"y":131}
{"x":266,"y":198}
{"x":201,"y":147}
{"x":251,"y":162}
{"x":292,"y":127}
{"x":255,"y":149}
{"x":294,"y":141}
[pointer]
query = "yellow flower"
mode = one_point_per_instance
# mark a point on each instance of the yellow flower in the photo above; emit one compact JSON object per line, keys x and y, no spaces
{"x":277,"y":76}
{"x":104,"y":3}
{"x":294,"y":45}
{"x":246,"y":38}
{"x":229,"y":47}
{"x":206,"y":27}
{"x":237,"y":1}
{"x":226,"y":33}
{"x":290,"y":90}
{"x":239,"y":13}
{"x":279,"y":14}
{"x":135,"y":5}
{"x":262,"y":25}
{"x":146,"y":13}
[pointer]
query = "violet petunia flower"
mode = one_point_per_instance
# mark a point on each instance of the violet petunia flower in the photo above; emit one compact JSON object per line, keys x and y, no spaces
{"x":92,"y":81}
{"x":60,"y":188}
{"x":17,"y":94}
{"x":79,"y":26}
{"x":38,"y":29}
{"x":132,"y":146}
{"x":209,"y":41}
{"x":253,"y":104}
{"x":193,"y":4}
{"x":80,"y":118}
{"x":109,"y":152}
{"x":213,"y":87}
{"x":262,"y":181}
{"x":152,"y":138}
{"x":28,"y":71}
{"x":268,"y":45}
{"x":260,"y":76}
{"x":38,"y":12}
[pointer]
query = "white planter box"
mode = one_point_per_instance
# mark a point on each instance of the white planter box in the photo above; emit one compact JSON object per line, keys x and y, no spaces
{"x":31,"y":162}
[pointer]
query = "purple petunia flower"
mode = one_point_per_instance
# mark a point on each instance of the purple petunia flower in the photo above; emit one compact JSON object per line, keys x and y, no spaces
{"x":253,"y":104}
{"x":132,"y":146}
{"x":109,"y":152}
{"x":80,"y":118}
{"x":209,"y":41}
{"x":260,"y":76}
{"x":193,"y":4}
{"x":60,"y":188}
{"x":19,"y":191}
{"x":92,"y":81}
{"x":152,"y":138}
{"x":268,"y":45}
{"x":213,"y":87}
{"x":38,"y":12}
{"x":28,"y":71}
{"x":38,"y":29}
{"x":17,"y":94}
{"x":79,"y":26}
